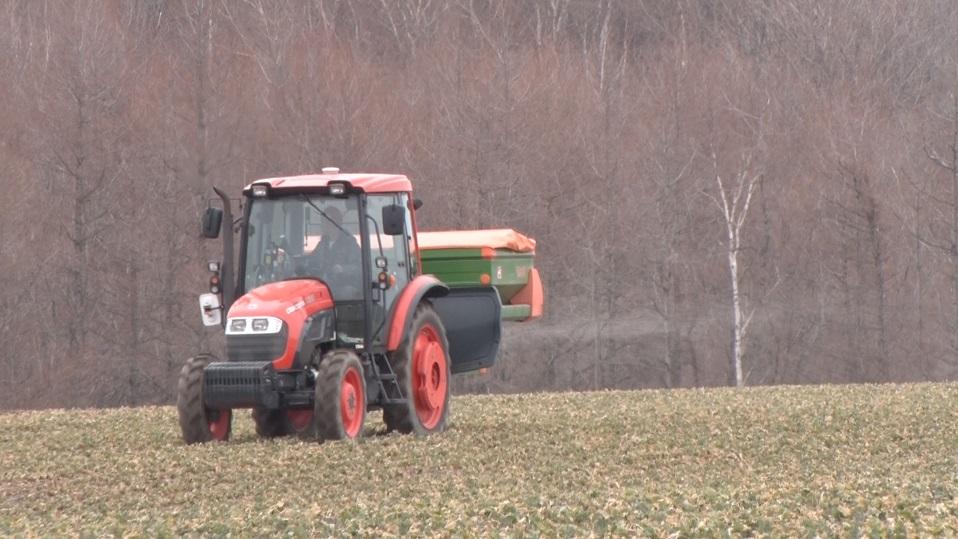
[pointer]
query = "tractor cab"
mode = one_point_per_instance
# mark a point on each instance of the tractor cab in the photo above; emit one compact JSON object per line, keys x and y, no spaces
{"x":356,"y":244}
{"x":352,"y":233}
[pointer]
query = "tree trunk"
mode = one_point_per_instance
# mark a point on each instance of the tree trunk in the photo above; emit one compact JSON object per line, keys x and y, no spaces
{"x":739,"y":321}
{"x":734,"y":207}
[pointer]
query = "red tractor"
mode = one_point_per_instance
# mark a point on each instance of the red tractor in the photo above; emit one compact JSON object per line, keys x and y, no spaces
{"x":338,"y":306}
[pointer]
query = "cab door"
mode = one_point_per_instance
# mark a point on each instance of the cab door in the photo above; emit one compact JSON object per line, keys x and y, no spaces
{"x":389,"y":257}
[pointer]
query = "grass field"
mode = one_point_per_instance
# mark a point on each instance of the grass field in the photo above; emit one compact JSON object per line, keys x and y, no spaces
{"x":801,"y":461}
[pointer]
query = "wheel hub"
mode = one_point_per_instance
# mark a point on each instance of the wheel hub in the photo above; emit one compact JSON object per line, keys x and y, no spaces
{"x":351,"y":403}
{"x":429,"y":372}
{"x":430,"y":375}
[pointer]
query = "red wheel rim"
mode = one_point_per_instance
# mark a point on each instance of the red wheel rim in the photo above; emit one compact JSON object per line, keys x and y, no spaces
{"x":430,"y":381}
{"x":218,"y":422}
{"x":352,"y":402}
{"x":299,"y":420}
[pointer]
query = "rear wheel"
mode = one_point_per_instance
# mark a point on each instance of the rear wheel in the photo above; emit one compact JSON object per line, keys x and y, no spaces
{"x":422,"y":368}
{"x":197,"y":422}
{"x":340,"y":409}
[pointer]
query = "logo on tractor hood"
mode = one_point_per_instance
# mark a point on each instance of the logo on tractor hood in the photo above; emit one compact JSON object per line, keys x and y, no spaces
{"x":308,"y":300}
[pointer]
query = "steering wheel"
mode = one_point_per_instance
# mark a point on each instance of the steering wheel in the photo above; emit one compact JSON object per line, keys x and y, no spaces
{"x":277,"y":263}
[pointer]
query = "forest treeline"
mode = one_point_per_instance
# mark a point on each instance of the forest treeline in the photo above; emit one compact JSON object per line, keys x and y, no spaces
{"x":755,"y":192}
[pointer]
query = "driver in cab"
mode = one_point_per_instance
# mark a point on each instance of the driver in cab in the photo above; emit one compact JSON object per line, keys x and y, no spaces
{"x":337,"y":258}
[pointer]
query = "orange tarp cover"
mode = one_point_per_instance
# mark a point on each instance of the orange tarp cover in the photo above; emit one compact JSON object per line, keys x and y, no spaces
{"x":502,"y":238}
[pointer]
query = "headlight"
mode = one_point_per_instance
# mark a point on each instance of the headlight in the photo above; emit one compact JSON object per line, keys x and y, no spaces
{"x":260,"y":190}
{"x":247,"y":325}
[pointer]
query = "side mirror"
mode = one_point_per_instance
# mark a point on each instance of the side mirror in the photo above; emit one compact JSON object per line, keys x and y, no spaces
{"x":416,"y":203}
{"x":210,"y":310}
{"x":394,"y":220}
{"x":212,"y":220}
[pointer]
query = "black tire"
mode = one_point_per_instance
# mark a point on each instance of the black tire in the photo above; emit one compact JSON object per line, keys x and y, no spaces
{"x":404,"y":417}
{"x":271,"y":423}
{"x":340,"y":378}
{"x":198,"y":423}
{"x":278,"y":423}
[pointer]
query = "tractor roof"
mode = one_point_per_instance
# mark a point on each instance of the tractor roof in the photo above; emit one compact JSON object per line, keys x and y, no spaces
{"x":369,"y":183}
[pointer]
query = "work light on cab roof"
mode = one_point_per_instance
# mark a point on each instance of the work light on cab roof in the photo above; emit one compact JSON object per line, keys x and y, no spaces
{"x":337,"y":189}
{"x":337,"y":304}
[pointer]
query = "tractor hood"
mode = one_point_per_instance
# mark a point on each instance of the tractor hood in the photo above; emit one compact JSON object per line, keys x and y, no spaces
{"x":284,"y":299}
{"x":279,"y":310}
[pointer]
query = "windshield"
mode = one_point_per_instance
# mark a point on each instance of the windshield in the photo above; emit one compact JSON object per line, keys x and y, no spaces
{"x":305,"y":236}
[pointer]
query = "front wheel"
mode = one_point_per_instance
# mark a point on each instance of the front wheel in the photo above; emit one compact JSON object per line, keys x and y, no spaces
{"x":340,"y":409}
{"x":422,"y":368}
{"x":276,"y":423}
{"x":197,"y":422}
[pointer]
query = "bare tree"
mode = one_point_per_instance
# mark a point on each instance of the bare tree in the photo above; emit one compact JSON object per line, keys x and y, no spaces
{"x":943,"y":234}
{"x":734,"y":201}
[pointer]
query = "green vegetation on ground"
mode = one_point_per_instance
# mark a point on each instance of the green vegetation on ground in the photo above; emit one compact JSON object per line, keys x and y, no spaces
{"x":796,"y":461}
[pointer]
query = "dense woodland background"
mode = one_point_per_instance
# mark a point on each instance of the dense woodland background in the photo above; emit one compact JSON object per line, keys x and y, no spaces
{"x":608,"y":130}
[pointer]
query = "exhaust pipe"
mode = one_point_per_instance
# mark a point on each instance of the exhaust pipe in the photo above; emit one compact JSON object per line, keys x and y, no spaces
{"x":226,"y":272}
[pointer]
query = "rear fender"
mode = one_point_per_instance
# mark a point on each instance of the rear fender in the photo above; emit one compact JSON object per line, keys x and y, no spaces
{"x":401,"y":313}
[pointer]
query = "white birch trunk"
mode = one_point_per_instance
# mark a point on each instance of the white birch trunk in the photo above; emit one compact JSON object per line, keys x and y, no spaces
{"x":734,"y":207}
{"x":738,"y":335}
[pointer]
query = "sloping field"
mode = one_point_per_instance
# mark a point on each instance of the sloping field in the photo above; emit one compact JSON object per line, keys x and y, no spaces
{"x":799,"y":461}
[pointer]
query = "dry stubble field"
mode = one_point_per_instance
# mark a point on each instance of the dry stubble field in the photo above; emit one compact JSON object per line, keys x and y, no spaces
{"x":795,"y":461}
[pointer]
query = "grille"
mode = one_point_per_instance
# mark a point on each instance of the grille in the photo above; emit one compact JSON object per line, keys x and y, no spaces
{"x":235,"y":385}
{"x":256,"y":347}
